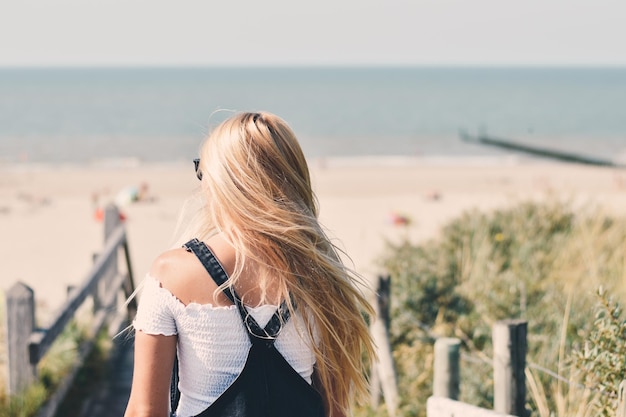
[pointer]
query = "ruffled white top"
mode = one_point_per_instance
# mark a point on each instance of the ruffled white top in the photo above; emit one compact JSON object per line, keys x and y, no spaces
{"x":213,"y":343}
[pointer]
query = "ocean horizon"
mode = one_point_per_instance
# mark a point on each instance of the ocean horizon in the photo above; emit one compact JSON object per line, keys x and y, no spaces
{"x":161,"y":115}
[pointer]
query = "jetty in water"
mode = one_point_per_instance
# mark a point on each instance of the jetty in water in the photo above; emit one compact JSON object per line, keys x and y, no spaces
{"x":483,"y":139}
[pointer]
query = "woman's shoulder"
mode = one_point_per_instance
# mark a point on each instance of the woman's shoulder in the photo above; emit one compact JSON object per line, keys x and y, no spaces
{"x":173,"y":266}
{"x":182,"y":274}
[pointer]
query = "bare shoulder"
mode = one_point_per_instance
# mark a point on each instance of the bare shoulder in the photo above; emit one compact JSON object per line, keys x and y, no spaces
{"x":173,"y":266}
{"x":180,"y":272}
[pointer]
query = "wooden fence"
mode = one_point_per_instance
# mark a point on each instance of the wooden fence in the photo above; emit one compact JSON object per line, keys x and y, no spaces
{"x":509,"y":364}
{"x":106,"y":285}
{"x":509,"y":369}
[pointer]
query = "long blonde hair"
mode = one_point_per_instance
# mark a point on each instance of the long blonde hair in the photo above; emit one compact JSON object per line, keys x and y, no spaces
{"x":257,"y":191}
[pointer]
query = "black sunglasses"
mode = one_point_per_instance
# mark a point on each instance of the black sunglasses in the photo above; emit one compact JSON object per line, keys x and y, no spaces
{"x":196,"y":164}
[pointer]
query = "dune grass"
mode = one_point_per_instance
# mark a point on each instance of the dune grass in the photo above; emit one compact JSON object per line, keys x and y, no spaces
{"x":55,"y":366}
{"x":542,"y":262}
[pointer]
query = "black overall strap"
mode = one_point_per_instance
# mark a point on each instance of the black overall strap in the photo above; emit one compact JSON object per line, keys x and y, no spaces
{"x":174,"y":392}
{"x":266,"y":335}
{"x":210,"y":262}
{"x":268,"y":386}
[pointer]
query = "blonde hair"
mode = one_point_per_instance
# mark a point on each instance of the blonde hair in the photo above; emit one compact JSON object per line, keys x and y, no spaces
{"x":257,"y":191}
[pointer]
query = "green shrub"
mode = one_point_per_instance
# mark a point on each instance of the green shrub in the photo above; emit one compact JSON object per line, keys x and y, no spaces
{"x":538,"y":261}
{"x":602,"y":357}
{"x":53,"y":367}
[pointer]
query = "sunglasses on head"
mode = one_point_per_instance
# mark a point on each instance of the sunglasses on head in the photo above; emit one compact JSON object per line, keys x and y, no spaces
{"x":196,"y":165}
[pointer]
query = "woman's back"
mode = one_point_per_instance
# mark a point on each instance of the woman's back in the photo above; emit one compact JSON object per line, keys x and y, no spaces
{"x":179,"y":298}
{"x":255,"y":190}
{"x":180,"y":272}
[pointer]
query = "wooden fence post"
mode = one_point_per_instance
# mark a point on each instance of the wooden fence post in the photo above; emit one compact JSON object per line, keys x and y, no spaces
{"x":446,"y":368}
{"x":20,"y":323}
{"x":382,"y":296}
{"x":509,"y":363}
{"x":621,"y":400}
{"x":385,"y":368}
{"x":111,"y":221}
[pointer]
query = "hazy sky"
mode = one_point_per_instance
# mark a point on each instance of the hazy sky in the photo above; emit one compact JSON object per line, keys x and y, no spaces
{"x":314,"y":32}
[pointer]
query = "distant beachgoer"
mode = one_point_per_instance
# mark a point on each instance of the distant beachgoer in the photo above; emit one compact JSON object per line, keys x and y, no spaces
{"x":434,"y":195}
{"x":99,"y":215}
{"x":257,"y":310}
{"x":398,"y":219}
{"x":132,"y":194}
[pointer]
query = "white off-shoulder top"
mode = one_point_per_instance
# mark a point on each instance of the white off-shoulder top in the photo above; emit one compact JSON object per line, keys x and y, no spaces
{"x":213,"y":343}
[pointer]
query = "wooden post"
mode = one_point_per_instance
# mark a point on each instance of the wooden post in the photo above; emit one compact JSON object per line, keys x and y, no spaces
{"x":621,"y":400}
{"x":447,"y":371}
{"x":509,"y":363}
{"x":111,"y":221}
{"x":385,"y":367}
{"x":20,"y":323}
{"x":383,"y":296}
{"x":129,"y":284}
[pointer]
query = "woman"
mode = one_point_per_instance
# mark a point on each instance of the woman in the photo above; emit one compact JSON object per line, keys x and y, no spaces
{"x":258,"y":226}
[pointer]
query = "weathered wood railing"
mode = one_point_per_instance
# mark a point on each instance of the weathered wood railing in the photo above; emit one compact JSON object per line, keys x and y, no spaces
{"x":509,"y":364}
{"x":106,"y":285}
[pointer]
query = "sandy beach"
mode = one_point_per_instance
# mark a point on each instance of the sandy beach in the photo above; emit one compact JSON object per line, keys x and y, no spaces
{"x":49,"y":230}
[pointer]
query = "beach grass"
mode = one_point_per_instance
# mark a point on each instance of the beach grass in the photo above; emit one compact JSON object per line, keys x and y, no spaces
{"x":54,"y":367}
{"x":51,"y":370}
{"x":542,"y":262}
{"x":467,"y":224}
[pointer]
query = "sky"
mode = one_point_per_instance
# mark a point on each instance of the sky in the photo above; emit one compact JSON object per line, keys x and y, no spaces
{"x":319,"y":32}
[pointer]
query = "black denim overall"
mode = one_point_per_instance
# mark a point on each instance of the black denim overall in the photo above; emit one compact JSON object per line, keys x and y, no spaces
{"x":267,"y":386}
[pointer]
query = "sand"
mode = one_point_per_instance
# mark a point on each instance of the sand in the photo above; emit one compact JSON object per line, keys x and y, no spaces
{"x":49,"y":233}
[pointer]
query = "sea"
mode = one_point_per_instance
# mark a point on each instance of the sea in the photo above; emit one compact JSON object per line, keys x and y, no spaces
{"x":95,"y":115}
